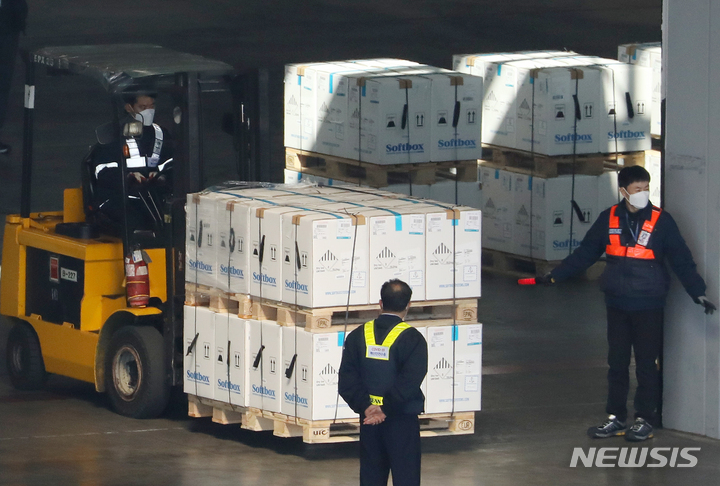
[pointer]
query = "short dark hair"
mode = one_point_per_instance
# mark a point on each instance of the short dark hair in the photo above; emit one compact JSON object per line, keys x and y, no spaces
{"x":395,"y":295}
{"x":634,"y":173}
{"x":131,"y":98}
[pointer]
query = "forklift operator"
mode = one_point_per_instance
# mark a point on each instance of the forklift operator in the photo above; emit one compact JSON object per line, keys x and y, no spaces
{"x":149,"y":172}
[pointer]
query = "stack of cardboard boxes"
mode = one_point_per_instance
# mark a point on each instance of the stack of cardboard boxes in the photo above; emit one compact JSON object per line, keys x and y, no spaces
{"x":554,"y":104}
{"x":383,"y":111}
{"x":322,"y":247}
{"x":563,"y":105}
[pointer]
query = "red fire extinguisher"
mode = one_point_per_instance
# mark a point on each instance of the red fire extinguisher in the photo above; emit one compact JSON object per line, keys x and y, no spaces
{"x":137,"y":278}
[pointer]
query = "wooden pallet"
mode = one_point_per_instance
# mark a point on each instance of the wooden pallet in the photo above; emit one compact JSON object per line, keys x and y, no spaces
{"x":318,"y":431}
{"x":323,"y":319}
{"x":217,"y":300}
{"x":521,"y":266}
{"x":374,"y":175}
{"x":548,"y":167}
{"x":442,"y":312}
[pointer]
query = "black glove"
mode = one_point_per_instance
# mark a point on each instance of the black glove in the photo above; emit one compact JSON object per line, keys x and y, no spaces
{"x":709,"y":306}
{"x":546,"y":279}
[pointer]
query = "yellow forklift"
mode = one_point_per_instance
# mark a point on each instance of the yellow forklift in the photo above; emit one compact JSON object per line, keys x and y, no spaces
{"x":63,"y":279}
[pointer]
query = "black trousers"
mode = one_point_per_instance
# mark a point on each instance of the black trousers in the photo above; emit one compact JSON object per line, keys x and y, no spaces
{"x":392,"y":445}
{"x":641,"y":332}
{"x":8,"y":53}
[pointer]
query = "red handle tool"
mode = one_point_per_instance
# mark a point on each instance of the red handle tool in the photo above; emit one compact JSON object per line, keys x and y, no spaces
{"x":526,"y":281}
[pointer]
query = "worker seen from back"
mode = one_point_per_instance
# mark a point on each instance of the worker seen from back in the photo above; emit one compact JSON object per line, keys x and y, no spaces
{"x":638,"y":238}
{"x":148,"y":154}
{"x":383,"y":365}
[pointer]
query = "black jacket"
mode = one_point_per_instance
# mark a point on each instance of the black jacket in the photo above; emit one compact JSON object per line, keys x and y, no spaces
{"x":409,"y":353}
{"x":103,"y":188}
{"x":13,"y":15}
{"x":631,"y":284}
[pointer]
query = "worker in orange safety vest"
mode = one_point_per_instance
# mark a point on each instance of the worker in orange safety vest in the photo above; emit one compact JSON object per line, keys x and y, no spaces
{"x":637,"y":238}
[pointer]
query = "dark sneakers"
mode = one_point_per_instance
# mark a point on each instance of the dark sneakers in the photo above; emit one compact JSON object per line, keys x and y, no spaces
{"x":4,"y":148}
{"x":610,"y":428}
{"x":640,"y":431}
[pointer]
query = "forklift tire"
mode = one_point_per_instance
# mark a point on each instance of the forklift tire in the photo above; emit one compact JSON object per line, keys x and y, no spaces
{"x":135,"y":377}
{"x":24,"y":358}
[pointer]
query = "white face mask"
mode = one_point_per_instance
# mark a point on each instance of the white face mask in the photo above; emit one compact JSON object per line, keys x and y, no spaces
{"x":145,"y":116}
{"x":638,"y":200}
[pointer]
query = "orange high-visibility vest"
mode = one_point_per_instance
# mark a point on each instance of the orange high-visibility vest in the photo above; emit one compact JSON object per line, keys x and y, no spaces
{"x":639,"y":251}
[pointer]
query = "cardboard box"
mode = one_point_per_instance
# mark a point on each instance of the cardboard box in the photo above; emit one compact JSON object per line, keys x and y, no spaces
{"x":456,"y":117}
{"x":234,"y":218}
{"x":546,"y":235}
{"x":458,"y":379}
{"x":457,"y":230}
{"x":311,"y":390}
{"x":201,"y":243}
{"x":497,"y":208}
{"x":199,"y":365}
{"x":230,"y":360}
{"x":265,"y":379}
{"x":300,"y":107}
{"x":396,"y":249}
{"x":389,"y":132}
{"x":627,"y":101}
{"x":318,"y":250}
{"x":648,"y":55}
{"x":266,"y":267}
{"x":561,"y":94}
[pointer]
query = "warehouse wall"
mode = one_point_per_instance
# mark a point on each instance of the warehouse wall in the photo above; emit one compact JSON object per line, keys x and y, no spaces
{"x":691,"y":45}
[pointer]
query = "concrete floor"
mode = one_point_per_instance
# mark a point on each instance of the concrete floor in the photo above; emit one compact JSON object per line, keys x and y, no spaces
{"x":543,"y":385}
{"x":544,"y":371}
